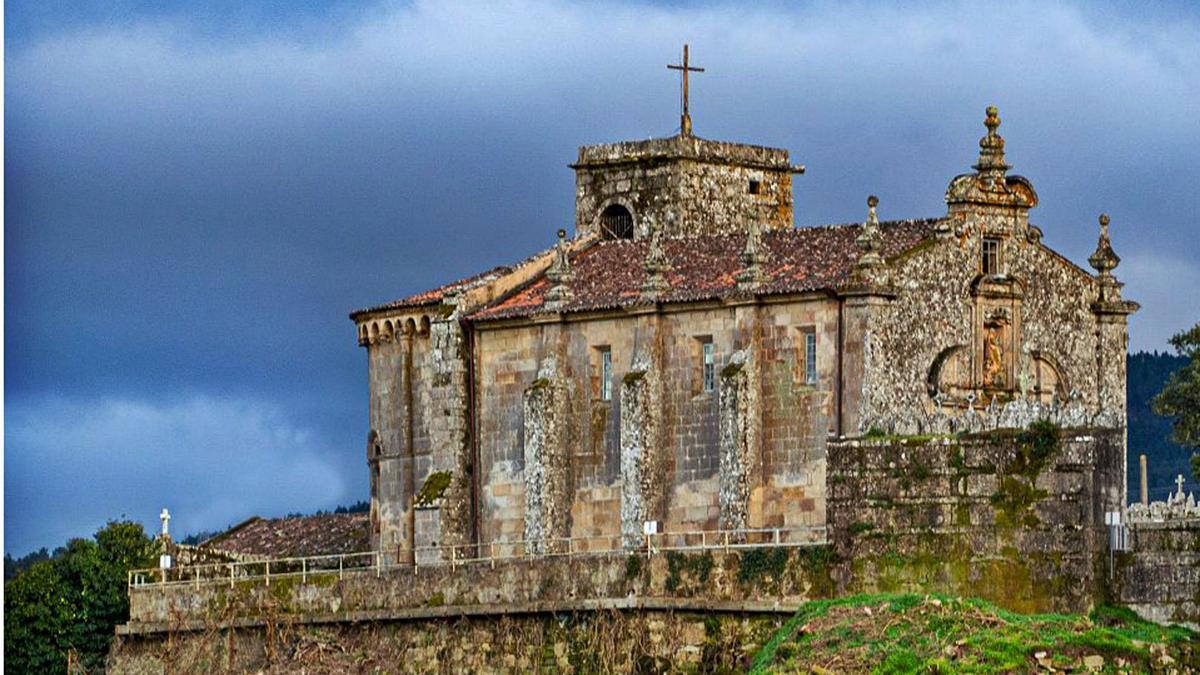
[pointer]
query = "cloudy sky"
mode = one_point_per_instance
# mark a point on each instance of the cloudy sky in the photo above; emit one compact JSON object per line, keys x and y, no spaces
{"x":197,"y":193}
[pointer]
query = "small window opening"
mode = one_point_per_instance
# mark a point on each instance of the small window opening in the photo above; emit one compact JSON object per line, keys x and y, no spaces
{"x":810,"y":357}
{"x":991,"y":256}
{"x":709,"y":366}
{"x":806,"y":355}
{"x":755,"y":187}
{"x":605,"y":374}
{"x":616,"y":223}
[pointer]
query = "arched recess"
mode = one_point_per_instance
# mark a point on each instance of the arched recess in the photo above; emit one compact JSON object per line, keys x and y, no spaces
{"x":1045,"y":381}
{"x":616,"y":222}
{"x":950,"y":373}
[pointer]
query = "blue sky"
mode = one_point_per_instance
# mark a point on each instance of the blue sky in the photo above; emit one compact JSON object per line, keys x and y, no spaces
{"x":198,"y":192}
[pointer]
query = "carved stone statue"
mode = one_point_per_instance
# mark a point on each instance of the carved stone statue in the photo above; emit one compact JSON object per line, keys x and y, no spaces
{"x":993,"y":358}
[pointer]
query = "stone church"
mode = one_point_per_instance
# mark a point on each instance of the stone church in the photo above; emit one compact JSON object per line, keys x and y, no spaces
{"x":678,"y":361}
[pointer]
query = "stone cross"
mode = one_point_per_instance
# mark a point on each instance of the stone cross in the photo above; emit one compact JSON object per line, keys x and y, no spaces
{"x":1179,"y":485}
{"x":685,"y":120}
{"x":165,"y":517}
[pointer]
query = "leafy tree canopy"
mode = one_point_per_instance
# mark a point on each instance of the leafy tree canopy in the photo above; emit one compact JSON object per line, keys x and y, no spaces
{"x":1180,"y":397}
{"x":72,"y":601}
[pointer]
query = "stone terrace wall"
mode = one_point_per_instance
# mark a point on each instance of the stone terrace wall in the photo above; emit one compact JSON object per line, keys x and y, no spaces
{"x":587,"y":642}
{"x":1159,"y":577}
{"x":734,"y":579}
{"x":1014,"y":517}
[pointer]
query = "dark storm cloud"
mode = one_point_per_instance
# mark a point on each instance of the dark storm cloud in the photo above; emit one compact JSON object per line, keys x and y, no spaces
{"x":191,"y":212}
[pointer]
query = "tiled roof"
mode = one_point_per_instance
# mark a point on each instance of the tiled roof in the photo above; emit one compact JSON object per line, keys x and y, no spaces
{"x":610,"y":274}
{"x":435,"y":296}
{"x":297,"y":536}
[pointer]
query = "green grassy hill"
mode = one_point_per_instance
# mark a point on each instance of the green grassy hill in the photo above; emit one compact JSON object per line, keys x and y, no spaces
{"x":938,"y":634}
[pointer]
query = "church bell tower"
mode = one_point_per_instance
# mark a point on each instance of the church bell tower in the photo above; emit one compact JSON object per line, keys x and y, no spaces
{"x":682,"y":186}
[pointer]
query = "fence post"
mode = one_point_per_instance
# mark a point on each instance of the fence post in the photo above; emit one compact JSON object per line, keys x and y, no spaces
{"x":304,"y":570}
{"x":340,"y":559}
{"x":231,"y":575}
{"x":777,"y":536}
{"x":378,"y":563}
{"x":492,"y":553}
{"x":268,"y":572}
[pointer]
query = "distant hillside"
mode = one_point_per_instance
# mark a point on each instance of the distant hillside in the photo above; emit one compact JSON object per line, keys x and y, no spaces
{"x":1150,"y":434}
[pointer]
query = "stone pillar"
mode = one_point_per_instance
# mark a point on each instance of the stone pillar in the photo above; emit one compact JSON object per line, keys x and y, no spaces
{"x":546,"y":454}
{"x":643,"y":466}
{"x":864,"y":296}
{"x":449,"y":432}
{"x":1145,"y":496}
{"x":858,"y":311}
{"x":1112,"y":313}
{"x":738,"y":424}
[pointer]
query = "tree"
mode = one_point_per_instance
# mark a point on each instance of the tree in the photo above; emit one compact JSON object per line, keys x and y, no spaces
{"x":1180,"y":397}
{"x":74,"y":600}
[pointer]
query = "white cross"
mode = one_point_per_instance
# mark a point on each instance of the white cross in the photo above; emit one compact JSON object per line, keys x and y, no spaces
{"x":165,"y":517}
{"x":1179,"y":483}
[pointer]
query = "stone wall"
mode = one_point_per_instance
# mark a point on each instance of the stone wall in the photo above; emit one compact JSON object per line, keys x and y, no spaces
{"x":743,"y":579}
{"x":684,"y":185}
{"x":398,"y":445}
{"x":1013,"y":517}
{"x":579,"y":641}
{"x":1158,"y":573}
{"x":665,"y":441}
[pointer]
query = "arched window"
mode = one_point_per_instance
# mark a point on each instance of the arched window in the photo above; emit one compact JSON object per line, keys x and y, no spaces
{"x":616,"y":223}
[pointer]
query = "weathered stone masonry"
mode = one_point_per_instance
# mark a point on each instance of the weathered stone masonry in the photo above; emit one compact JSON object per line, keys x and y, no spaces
{"x":959,"y":324}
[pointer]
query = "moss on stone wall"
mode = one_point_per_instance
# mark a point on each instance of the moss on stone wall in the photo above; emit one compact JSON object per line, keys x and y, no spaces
{"x":433,"y":489}
{"x":1000,"y":514}
{"x":698,"y":566}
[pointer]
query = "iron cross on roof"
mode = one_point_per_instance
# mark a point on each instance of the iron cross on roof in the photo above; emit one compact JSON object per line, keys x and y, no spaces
{"x":685,"y":120}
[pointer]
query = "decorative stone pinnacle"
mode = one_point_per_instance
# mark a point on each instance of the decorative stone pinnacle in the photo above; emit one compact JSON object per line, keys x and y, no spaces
{"x":559,"y":274}
{"x":1104,"y":260}
{"x":656,"y":266}
{"x":871,"y":239}
{"x":991,"y":146}
{"x":753,"y":257}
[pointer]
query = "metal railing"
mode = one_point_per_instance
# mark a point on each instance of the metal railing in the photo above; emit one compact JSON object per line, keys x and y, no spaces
{"x":468,"y":554}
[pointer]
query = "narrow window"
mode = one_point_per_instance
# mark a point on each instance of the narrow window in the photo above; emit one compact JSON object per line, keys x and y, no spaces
{"x":709,"y":366}
{"x":991,"y":256}
{"x":605,"y":374}
{"x":755,"y":186}
{"x":810,"y":357}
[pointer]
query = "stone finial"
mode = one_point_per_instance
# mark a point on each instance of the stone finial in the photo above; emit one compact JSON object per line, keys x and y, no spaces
{"x":1104,"y":260}
{"x":656,"y":266}
{"x":991,"y":146}
{"x":871,"y":239}
{"x":754,"y":257}
{"x":560,"y":275}
{"x":990,"y":184}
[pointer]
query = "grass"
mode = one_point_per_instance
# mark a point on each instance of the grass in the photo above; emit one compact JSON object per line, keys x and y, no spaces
{"x":907,"y":633}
